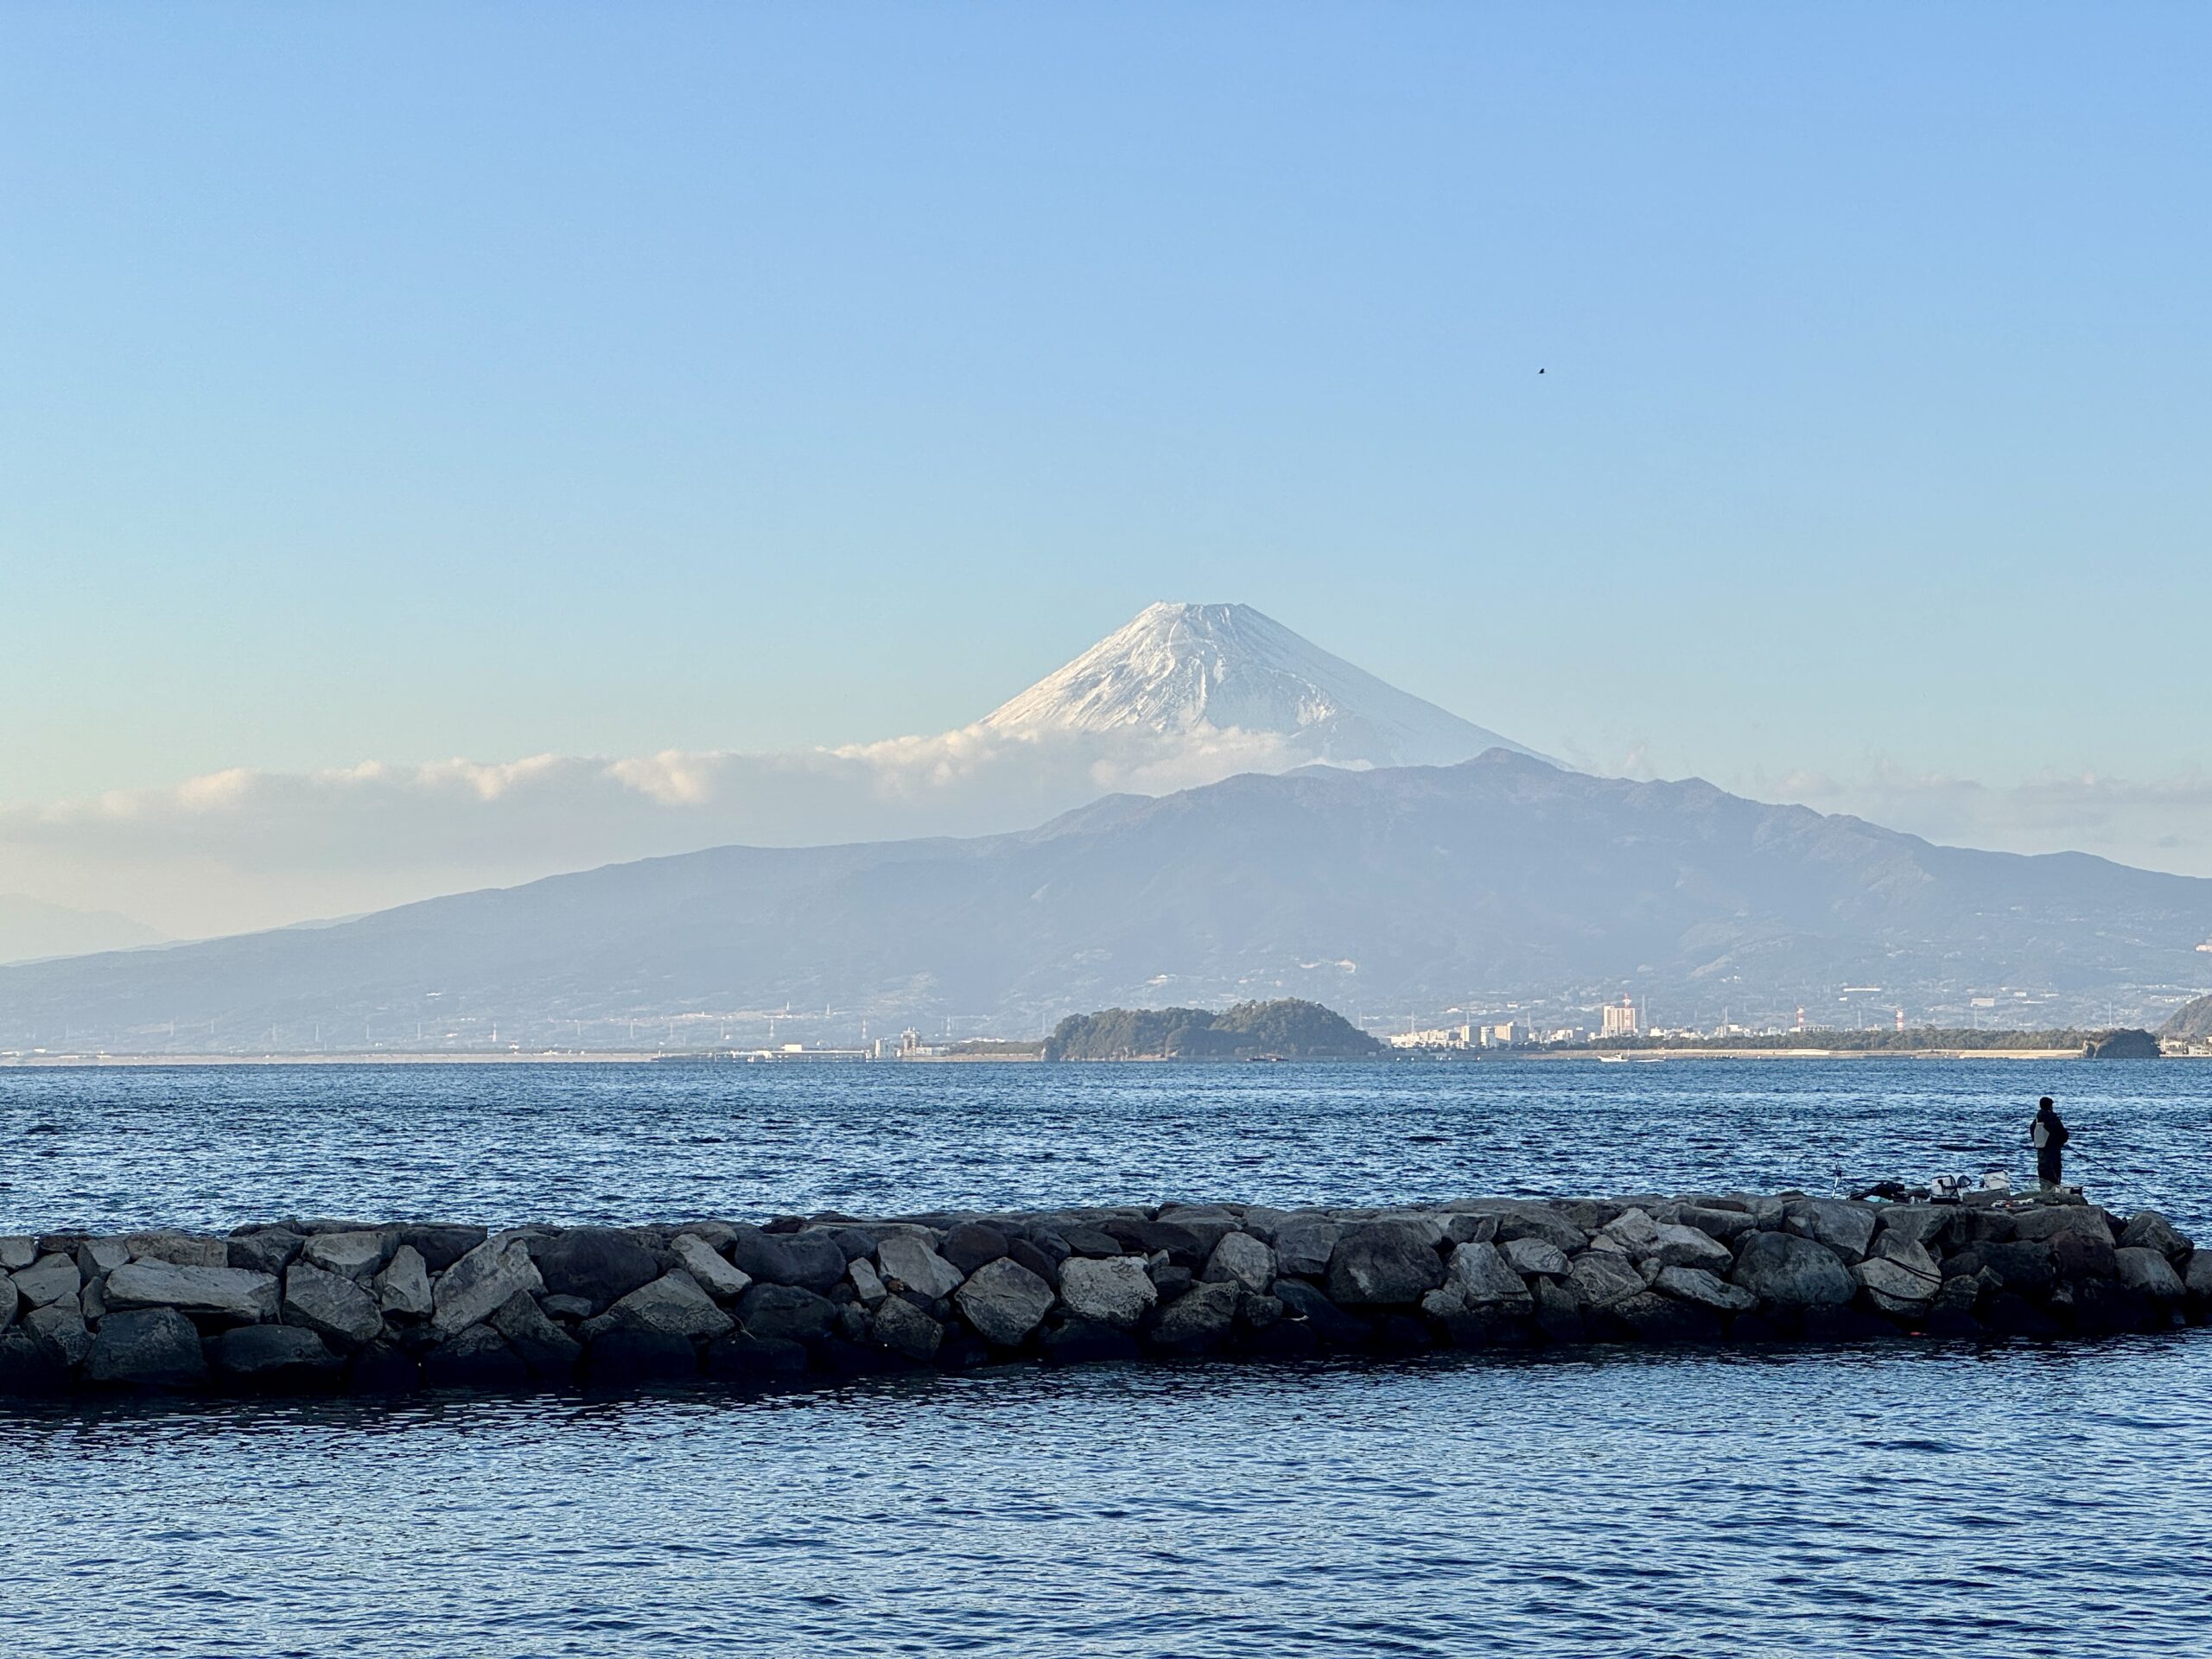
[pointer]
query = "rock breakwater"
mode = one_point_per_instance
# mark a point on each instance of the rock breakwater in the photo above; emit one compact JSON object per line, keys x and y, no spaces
{"x":347,"y":1305}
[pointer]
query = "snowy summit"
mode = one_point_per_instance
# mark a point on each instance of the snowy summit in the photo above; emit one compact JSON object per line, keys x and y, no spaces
{"x":1195,"y":670}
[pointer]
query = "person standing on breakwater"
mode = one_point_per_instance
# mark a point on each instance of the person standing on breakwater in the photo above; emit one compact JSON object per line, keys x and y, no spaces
{"x":2047,"y":1135}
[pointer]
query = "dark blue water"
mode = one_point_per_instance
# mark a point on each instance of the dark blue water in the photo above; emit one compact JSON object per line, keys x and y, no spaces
{"x":1908,"y":1499}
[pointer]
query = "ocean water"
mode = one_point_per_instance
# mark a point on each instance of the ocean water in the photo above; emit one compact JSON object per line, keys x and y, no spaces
{"x":1913,"y":1499}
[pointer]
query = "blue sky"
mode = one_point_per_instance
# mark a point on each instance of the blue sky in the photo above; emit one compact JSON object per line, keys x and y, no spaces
{"x":400,"y":383}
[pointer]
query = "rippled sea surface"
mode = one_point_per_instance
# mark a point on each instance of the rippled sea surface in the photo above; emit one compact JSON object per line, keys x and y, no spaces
{"x":1907,"y":1499}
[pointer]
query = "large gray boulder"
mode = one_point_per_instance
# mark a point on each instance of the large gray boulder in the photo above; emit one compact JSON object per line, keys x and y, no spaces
{"x":710,"y":1267}
{"x":97,"y":1255}
{"x":331,"y":1304}
{"x":266,"y":1249}
{"x":1480,"y":1275}
{"x":1003,"y":1301}
{"x":2198,"y":1281}
{"x":1304,"y":1245}
{"x":969,"y":1244}
{"x":468,"y":1292}
{"x":403,"y":1287}
{"x":151,"y":1348}
{"x":672,"y":1304}
{"x":181,"y":1249}
{"x":540,"y":1343}
{"x":1382,"y":1264}
{"x":1703,"y":1286}
{"x":1894,"y":1286}
{"x":1240,"y":1259}
{"x":1723,"y":1225}
{"x":1844,"y":1227}
{"x":274,"y":1357}
{"x":1917,"y":1224}
{"x":2046,"y":1224}
{"x":600,"y":1264}
{"x":2148,"y":1273}
{"x":1111,"y":1290}
{"x":785,"y":1313}
{"x":1676,"y":1246}
{"x":350,"y":1255}
{"x":810,"y":1261}
{"x":60,"y":1331}
{"x":2148,"y":1230}
{"x":1539,"y":1221}
{"x":904,"y":1330}
{"x":1532,"y":1256}
{"x":1199,"y":1319}
{"x":17,"y":1250}
{"x":910,"y":1262}
{"x":230,"y":1292}
{"x":1791,"y":1271}
{"x":49,"y":1280}
{"x":440,"y":1243}
{"x":10,"y":1301}
{"x":1602,"y":1278}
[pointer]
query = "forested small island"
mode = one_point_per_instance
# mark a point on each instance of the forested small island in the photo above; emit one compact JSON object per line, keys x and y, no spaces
{"x":1287,"y":1029}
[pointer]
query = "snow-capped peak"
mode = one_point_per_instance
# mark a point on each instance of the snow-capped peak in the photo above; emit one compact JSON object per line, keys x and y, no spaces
{"x":1200,"y":668}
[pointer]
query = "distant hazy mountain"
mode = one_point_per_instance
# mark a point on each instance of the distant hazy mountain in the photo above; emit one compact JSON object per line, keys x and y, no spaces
{"x":1177,"y":670}
{"x":2192,"y":1021}
{"x":29,"y":929}
{"x":1390,"y":889}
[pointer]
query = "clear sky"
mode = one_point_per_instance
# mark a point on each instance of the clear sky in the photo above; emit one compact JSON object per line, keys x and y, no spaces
{"x":398,"y":383}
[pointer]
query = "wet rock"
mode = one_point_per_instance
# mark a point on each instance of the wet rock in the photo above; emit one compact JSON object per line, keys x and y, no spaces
{"x":1792,"y":1271}
{"x":630,"y":1354}
{"x":2080,"y":1255}
{"x":1845,"y":1228}
{"x":333,"y":1307}
{"x":354,"y":1256}
{"x":440,"y":1245}
{"x":1600,"y":1278}
{"x":540,"y":1345}
{"x":1115,"y":1291}
{"x":600,"y":1264}
{"x":1705,"y":1288}
{"x":673,"y":1305}
{"x":1083,"y":1341}
{"x":151,"y":1348}
{"x":969,"y":1245}
{"x":1558,"y":1315}
{"x":403,"y":1287}
{"x":911,"y":1262}
{"x":2198,"y":1280}
{"x":47,"y":1279}
{"x":707,"y":1265}
{"x":469,"y":1291}
{"x":1529,"y":1256}
{"x":1171,"y":1282}
{"x":744,"y":1358}
{"x":271,"y":1250}
{"x":1652,"y":1317}
{"x":2148,"y":1230}
{"x":1382,"y":1263}
{"x":868,"y":1284}
{"x":2025,"y":1266}
{"x":59,"y":1329}
{"x":1330,"y":1324}
{"x":1240,"y":1259}
{"x":1198,"y":1319}
{"x":1303,"y":1248}
{"x":1479,"y":1274}
{"x":477,"y":1359}
{"x":1003,"y":1302}
{"x":230,"y":1292}
{"x":9,"y":1301}
{"x":2011,"y":1314}
{"x":2146,"y":1272}
{"x":573,"y":1309}
{"x":383,"y":1368}
{"x":786,"y":1312}
{"x":275,"y":1357}
{"x":903,"y":1329}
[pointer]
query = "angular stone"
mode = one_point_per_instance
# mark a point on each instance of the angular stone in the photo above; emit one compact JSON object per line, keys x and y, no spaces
{"x":2027,"y":1266}
{"x":910,"y":1262}
{"x":810,"y":1261}
{"x":2198,"y":1281}
{"x":1702,"y":1285}
{"x":786,"y":1312}
{"x":2147,"y":1272}
{"x":403,"y":1287}
{"x":2080,"y":1255}
{"x":441,"y":1245}
{"x":59,"y":1329}
{"x":1845,"y":1228}
{"x":181,"y":1248}
{"x":904,"y":1330}
{"x":1035,"y":1258}
{"x":352,"y":1255}
{"x":1632,"y":1231}
{"x":543,"y":1346}
{"x":1003,"y":1301}
{"x":331,"y":1304}
{"x":1330,"y":1324}
{"x":9,"y":1301}
{"x":1240,"y":1259}
{"x":1527,"y":1256}
{"x":672,"y":1304}
{"x":233,"y":1293}
{"x":2148,"y":1230}
{"x":468,"y":1292}
{"x":274,"y":1357}
{"x":1303,"y":1246}
{"x":1480,"y":1275}
{"x":1917,"y":1224}
{"x":1185,"y":1247}
{"x":1723,"y":1225}
{"x":17,"y":1251}
{"x":868,"y":1283}
{"x":49,"y":1280}
{"x":1114,"y":1291}
{"x":2046,"y":1224}
{"x":600,"y":1264}
{"x":1790,"y":1271}
{"x":97,"y":1255}
{"x":1894,"y":1286}
{"x":1676,"y":1246}
{"x":1199,"y":1319}
{"x":710,"y":1267}
{"x":270,"y":1251}
{"x":1382,"y":1264}
{"x":151,"y":1348}
{"x":1600,"y":1278}
{"x":478,"y":1358}
{"x":969,"y":1244}
{"x":1540,"y":1221}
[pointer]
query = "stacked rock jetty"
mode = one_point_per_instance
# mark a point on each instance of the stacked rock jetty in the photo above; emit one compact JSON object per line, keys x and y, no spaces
{"x":346,"y":1304}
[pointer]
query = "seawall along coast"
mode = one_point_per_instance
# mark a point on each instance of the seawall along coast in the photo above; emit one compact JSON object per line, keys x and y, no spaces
{"x":374,"y":1308}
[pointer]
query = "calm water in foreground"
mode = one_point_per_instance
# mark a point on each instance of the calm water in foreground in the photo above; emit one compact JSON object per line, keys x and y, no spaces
{"x":2009,"y":1500}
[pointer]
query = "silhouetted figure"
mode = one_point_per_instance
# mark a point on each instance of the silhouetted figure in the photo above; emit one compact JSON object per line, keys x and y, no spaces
{"x":2047,"y":1135}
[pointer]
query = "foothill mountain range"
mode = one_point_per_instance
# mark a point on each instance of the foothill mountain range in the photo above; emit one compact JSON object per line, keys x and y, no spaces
{"x":1339,"y":839}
